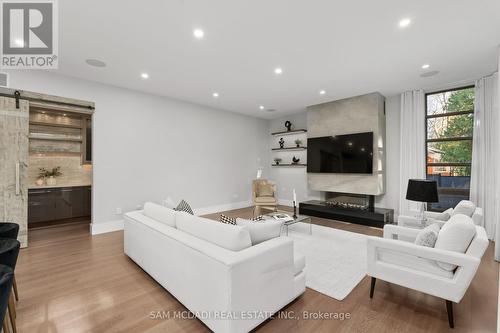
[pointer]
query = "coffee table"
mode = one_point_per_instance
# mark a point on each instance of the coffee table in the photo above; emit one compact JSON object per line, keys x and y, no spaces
{"x":300,"y":218}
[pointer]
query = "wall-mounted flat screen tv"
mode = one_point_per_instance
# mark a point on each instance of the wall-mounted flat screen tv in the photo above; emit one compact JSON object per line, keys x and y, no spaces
{"x":351,"y":153}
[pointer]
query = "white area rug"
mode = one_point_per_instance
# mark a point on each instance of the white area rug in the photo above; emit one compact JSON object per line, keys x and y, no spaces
{"x":335,"y":259}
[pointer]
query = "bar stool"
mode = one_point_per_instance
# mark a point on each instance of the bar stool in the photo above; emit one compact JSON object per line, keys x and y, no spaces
{"x":6,"y":278}
{"x":10,"y":230}
{"x":9,"y":251}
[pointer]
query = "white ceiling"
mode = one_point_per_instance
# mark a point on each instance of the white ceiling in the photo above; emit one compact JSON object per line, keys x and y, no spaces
{"x":344,"y":47}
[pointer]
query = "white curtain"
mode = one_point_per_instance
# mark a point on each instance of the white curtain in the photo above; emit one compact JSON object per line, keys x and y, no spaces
{"x":485,"y":174}
{"x":412,"y":138}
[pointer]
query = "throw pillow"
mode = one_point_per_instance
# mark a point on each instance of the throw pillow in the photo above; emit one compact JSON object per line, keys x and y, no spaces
{"x":465,"y":207}
{"x":261,"y":232}
{"x":428,"y":236}
{"x":266,"y":190}
{"x":258,"y":218}
{"x":227,"y":219}
{"x":455,"y":235}
{"x":183,"y":206}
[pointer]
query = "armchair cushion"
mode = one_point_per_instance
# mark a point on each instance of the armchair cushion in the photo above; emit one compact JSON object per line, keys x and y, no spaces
{"x":464,"y":207}
{"x":413,"y":262}
{"x":455,"y":235}
{"x":265,"y":190}
{"x":265,"y":200}
{"x":428,"y":236}
{"x":443,"y":216}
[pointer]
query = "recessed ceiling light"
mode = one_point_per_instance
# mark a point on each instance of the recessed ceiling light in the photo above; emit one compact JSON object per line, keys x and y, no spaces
{"x":278,"y":71}
{"x":404,"y":22}
{"x":64,"y":115}
{"x":425,"y":66}
{"x":95,"y":63}
{"x":145,"y":76}
{"x":19,"y":42}
{"x":198,"y":33}
{"x":322,"y":92}
{"x":215,"y":94}
{"x":261,"y":107}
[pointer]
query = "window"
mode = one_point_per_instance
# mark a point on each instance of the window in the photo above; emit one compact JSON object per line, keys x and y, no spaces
{"x":450,"y":121}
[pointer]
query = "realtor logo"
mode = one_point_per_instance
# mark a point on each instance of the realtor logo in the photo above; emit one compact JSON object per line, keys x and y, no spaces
{"x":29,"y":34}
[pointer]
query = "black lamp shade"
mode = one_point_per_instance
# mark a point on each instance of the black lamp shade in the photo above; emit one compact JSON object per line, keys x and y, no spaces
{"x":422,"y":190}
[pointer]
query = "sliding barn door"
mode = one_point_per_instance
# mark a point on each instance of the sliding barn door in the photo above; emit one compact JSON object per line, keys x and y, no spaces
{"x":14,"y":150}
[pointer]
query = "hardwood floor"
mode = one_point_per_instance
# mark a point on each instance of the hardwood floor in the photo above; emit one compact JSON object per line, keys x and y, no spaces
{"x":69,"y":281}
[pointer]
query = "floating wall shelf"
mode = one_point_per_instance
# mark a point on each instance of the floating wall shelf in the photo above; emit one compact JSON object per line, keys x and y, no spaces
{"x":297,"y":131}
{"x":289,"y":149}
{"x":294,"y":165}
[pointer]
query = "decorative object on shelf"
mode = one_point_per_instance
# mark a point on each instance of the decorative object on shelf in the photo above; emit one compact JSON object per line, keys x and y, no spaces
{"x":295,"y":160}
{"x":298,"y":142}
{"x":277,"y":160}
{"x":40,"y":181}
{"x":282,"y":143}
{"x":50,"y":176}
{"x":288,"y":125}
{"x":423,"y":191}
{"x":294,"y":204}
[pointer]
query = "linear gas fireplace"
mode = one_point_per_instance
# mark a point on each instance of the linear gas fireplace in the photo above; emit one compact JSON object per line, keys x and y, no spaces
{"x":350,"y":200}
{"x":348,"y":207}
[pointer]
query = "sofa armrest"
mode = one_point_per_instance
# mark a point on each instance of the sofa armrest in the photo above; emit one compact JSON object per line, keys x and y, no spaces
{"x":262,"y":273}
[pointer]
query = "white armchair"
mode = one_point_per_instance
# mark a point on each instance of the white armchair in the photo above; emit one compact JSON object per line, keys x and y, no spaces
{"x":414,"y":266}
{"x":465,"y":207}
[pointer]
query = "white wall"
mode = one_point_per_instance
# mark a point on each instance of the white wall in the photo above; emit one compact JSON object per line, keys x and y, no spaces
{"x":392,"y":154}
{"x":148,"y":147}
{"x":286,"y":178}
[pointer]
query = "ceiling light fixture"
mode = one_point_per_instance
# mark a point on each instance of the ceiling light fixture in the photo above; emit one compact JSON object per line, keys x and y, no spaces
{"x":322,"y":92}
{"x":215,"y":94}
{"x":261,"y":107}
{"x":145,"y":76}
{"x":404,"y":22}
{"x":95,"y":63}
{"x":198,"y":33}
{"x":425,"y":66}
{"x":278,"y":71}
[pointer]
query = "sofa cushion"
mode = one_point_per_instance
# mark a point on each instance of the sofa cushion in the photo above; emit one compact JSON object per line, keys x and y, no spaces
{"x":260,"y":231}
{"x":464,"y":207}
{"x":455,"y":235}
{"x":428,"y":236}
{"x":160,"y":213}
{"x":228,"y":236}
{"x":183,"y":206}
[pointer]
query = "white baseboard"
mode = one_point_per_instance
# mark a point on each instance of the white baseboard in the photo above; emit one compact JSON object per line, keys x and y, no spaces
{"x":222,"y":208}
{"x":110,"y":226}
{"x":285,"y":202}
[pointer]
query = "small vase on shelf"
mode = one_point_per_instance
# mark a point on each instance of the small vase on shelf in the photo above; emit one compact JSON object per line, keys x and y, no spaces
{"x":51,"y":181}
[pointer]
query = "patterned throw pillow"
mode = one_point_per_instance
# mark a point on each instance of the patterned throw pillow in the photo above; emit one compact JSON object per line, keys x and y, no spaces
{"x":227,"y":219}
{"x":428,"y":236}
{"x":232,"y":220}
{"x":183,"y":206}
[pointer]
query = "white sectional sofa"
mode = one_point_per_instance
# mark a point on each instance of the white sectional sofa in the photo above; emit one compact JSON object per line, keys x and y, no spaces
{"x":212,"y":268}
